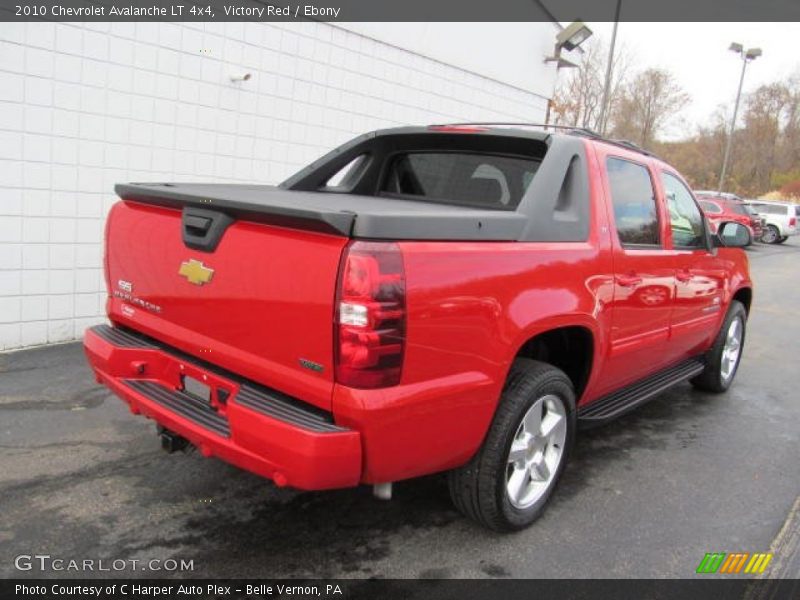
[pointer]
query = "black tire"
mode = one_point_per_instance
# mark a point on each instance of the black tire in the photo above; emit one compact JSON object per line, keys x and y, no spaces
{"x":782,"y":239}
{"x":711,"y":379}
{"x":478,"y":489}
{"x":771,"y":235}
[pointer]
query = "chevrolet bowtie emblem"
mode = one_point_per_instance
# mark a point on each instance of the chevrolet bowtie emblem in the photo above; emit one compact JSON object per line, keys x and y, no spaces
{"x":196,"y":272}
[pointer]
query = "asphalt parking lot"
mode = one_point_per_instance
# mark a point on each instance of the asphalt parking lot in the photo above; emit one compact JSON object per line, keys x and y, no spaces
{"x":647,"y":496}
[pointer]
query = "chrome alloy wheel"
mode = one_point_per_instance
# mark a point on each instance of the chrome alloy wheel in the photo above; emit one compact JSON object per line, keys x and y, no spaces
{"x":731,"y":349}
{"x":536,"y":451}
{"x":770,"y":235}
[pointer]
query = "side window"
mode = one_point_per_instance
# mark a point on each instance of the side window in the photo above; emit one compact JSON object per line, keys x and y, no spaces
{"x":634,"y":203}
{"x":685,"y":218}
{"x":774,"y":209}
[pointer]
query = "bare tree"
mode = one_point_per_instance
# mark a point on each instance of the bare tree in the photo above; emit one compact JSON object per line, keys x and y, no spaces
{"x":577,"y":100}
{"x":645,"y":105}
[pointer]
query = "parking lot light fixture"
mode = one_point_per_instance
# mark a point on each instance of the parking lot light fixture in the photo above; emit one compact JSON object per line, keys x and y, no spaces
{"x":747,"y":56}
{"x":568,"y":39}
{"x":573,"y":36}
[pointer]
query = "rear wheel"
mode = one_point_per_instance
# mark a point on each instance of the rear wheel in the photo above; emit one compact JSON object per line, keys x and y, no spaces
{"x":508,"y":483}
{"x":783,"y":239}
{"x":771,"y":235}
{"x":722,"y":361}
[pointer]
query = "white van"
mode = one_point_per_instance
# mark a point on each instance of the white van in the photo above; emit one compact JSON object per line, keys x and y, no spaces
{"x":781,"y":218}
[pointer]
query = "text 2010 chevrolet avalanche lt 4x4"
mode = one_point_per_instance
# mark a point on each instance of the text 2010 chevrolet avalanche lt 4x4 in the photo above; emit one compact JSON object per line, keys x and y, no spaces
{"x":453,"y":298}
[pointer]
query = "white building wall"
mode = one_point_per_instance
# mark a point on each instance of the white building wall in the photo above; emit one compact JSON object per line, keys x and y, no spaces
{"x":84,"y":106}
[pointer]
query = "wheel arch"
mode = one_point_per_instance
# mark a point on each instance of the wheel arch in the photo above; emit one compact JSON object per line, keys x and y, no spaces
{"x":744,"y":295}
{"x":570,"y":348}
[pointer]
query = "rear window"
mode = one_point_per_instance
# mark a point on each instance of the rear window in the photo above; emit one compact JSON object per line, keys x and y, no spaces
{"x":710,"y":207}
{"x":737,"y":208}
{"x":477,"y":180}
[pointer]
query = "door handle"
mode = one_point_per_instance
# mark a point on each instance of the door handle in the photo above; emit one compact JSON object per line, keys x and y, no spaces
{"x":683,"y":276}
{"x":629,"y":280}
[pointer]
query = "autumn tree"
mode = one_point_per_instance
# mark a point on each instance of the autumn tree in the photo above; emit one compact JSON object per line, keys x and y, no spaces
{"x":765,"y":152}
{"x":757,"y":144}
{"x":645,"y":105}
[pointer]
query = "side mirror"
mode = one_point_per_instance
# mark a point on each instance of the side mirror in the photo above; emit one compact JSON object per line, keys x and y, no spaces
{"x":732,"y":235}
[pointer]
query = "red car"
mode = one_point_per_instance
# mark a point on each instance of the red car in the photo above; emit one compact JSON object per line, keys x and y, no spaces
{"x":727,"y":207}
{"x":449,"y":298}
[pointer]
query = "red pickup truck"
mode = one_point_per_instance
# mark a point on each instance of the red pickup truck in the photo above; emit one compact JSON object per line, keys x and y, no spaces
{"x":448,"y":298}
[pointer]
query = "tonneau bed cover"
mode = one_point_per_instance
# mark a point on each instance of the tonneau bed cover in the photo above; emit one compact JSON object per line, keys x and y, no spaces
{"x":349,"y":215}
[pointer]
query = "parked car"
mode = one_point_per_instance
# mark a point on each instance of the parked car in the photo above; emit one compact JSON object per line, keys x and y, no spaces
{"x":449,"y":298}
{"x":781,"y":219}
{"x":729,"y":207}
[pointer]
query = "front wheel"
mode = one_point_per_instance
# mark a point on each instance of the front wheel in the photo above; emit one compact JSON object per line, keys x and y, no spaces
{"x":722,"y":360}
{"x":508,"y":483}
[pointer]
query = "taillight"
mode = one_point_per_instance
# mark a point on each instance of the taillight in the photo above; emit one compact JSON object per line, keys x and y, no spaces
{"x":792,"y":221}
{"x":370,"y":315}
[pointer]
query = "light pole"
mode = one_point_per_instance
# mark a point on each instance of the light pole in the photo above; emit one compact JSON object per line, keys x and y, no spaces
{"x":746,"y":56}
{"x":607,"y":84}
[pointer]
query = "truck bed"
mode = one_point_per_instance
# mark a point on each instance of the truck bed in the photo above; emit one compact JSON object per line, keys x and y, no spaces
{"x":347,"y":215}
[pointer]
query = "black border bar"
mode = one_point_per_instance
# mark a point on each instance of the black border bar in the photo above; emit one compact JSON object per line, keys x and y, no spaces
{"x":700,"y":588}
{"x":564,"y":11}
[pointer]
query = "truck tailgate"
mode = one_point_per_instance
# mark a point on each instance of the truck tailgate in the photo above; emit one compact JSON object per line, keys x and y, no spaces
{"x":261,"y":304}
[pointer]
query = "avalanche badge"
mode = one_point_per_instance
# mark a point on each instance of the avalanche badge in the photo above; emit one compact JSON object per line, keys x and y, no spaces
{"x":196,"y":272}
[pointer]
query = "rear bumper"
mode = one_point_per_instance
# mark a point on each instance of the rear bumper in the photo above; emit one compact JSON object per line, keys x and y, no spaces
{"x":254,"y":428}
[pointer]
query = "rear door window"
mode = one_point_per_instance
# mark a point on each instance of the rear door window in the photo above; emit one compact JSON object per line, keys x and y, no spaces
{"x":478,"y":180}
{"x":634,"y":200}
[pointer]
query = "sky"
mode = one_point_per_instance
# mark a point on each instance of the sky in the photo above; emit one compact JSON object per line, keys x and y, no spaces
{"x":697,"y":54}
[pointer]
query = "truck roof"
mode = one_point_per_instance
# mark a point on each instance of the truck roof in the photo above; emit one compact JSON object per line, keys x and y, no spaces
{"x":537,"y":131}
